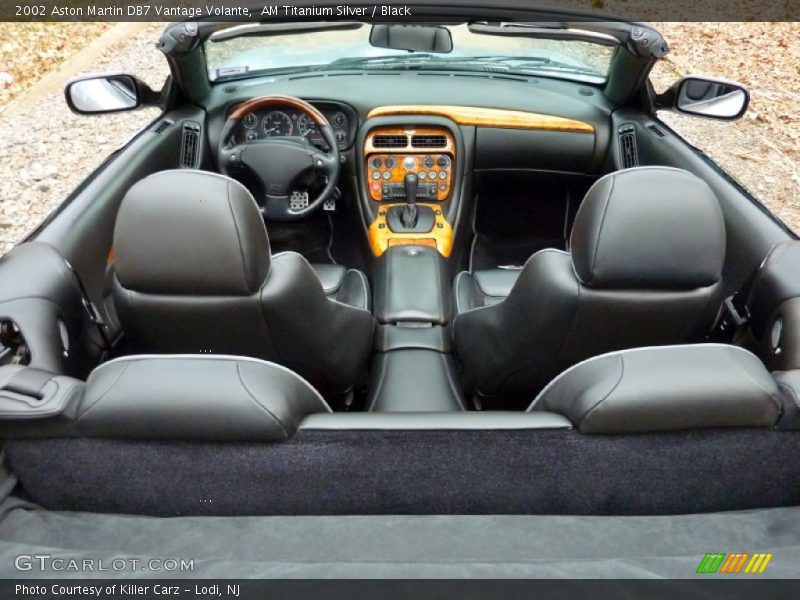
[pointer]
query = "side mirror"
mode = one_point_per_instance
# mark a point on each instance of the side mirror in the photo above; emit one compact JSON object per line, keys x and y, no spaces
{"x":706,"y":97}
{"x":110,"y":93}
{"x":414,"y":38}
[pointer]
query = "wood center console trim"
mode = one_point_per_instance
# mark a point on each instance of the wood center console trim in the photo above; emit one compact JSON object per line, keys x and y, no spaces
{"x":440,"y":237}
{"x":486,"y":117}
{"x":391,"y":169}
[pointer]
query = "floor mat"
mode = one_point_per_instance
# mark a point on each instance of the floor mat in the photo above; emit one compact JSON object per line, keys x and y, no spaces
{"x":516,"y":216}
{"x":490,"y":254}
{"x":402,"y":546}
{"x":310,"y":237}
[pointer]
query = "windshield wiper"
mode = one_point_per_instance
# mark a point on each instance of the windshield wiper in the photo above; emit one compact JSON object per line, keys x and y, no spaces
{"x":427,"y":60}
{"x":400,"y":60}
{"x":528,"y":62}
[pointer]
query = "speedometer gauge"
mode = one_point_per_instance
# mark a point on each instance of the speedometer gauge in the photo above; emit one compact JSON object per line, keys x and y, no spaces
{"x":305,"y":126}
{"x":277,"y":124}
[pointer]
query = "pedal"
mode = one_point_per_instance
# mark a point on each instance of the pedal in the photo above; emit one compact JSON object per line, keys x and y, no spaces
{"x":298,"y":201}
{"x":330,"y":203}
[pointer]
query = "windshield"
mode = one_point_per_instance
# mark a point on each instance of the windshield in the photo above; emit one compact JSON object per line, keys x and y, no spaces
{"x":349,"y":49}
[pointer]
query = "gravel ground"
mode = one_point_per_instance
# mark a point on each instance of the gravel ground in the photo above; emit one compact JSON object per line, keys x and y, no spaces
{"x":47,"y":151}
{"x":761,"y":150}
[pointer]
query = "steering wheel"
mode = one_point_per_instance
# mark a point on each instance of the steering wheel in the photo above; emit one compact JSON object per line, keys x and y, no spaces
{"x":281,"y":163}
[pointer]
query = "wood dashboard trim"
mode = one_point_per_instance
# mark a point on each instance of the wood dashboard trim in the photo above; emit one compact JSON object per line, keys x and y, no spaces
{"x":486,"y":117}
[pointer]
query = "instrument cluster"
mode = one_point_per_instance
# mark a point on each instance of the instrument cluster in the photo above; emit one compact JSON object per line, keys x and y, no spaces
{"x":288,"y":121}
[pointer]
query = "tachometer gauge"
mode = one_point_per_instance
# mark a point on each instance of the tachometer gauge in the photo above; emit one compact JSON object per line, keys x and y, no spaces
{"x":250,"y":121}
{"x":305,"y":126}
{"x":277,"y":124}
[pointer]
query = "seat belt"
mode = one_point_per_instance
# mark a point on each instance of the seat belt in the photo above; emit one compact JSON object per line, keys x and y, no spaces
{"x":733,"y":313}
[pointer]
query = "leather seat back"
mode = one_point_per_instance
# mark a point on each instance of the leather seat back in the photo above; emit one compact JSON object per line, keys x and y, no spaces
{"x":194,"y":275}
{"x":648,"y":247}
{"x":641,"y":390}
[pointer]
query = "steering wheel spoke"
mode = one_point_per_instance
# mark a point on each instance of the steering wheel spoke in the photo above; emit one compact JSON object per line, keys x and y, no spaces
{"x":282,"y":164}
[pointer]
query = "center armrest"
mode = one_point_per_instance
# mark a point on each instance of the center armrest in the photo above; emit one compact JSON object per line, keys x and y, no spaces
{"x":411,"y":285}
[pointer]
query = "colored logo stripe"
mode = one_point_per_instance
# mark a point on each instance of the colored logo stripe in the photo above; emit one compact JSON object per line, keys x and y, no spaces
{"x":758,"y":563}
{"x":733,"y":563}
{"x":711,"y":562}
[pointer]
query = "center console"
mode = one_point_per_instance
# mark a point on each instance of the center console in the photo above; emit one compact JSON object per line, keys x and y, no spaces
{"x":410,"y":172}
{"x":413,"y":370}
{"x":411,"y":178}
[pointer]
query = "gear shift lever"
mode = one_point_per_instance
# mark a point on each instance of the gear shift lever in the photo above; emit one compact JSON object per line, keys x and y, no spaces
{"x":409,"y":216}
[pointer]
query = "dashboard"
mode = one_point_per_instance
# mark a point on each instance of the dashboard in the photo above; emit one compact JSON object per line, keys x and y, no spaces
{"x":285,"y":121}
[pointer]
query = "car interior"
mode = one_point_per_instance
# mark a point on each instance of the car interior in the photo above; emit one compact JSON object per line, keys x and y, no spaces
{"x":405,"y":293}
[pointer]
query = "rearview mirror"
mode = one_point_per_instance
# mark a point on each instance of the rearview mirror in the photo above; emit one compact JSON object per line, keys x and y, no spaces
{"x":98,"y":94}
{"x":414,"y":38}
{"x":706,"y":97}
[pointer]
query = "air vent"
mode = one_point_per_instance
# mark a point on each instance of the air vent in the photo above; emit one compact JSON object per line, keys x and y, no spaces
{"x":656,"y":131}
{"x":627,"y":146}
{"x":190,"y":150}
{"x":428,"y":141}
{"x":390,"y":141}
{"x":162,"y":126}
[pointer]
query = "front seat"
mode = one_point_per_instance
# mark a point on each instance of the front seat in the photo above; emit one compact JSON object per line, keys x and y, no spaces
{"x":647,"y":249}
{"x":194,"y":274}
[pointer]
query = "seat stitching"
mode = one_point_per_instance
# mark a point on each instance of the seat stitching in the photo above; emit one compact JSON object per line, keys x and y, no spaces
{"x":257,"y":403}
{"x":608,"y":395}
{"x":83,"y":412}
{"x":600,"y":230}
{"x":238,"y":237}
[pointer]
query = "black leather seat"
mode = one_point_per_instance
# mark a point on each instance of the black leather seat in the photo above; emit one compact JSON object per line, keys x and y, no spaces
{"x":194,"y":274}
{"x":647,"y":250}
{"x":641,"y":390}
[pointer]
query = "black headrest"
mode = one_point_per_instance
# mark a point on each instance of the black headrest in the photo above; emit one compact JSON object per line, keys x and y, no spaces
{"x":195,"y":397}
{"x":190,"y":232}
{"x":649,"y":228}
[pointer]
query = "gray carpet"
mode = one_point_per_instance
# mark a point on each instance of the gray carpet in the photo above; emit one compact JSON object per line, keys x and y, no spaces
{"x":406,"y":546}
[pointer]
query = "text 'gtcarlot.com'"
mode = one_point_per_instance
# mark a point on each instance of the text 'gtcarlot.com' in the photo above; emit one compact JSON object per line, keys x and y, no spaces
{"x":48,"y":562}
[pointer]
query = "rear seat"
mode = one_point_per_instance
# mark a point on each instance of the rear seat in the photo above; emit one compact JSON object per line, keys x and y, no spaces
{"x":665,"y":388}
{"x":161,"y":397}
{"x":220,"y":435}
{"x":214,"y":398}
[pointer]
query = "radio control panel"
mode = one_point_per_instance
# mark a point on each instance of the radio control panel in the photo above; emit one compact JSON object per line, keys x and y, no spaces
{"x":391,"y":154}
